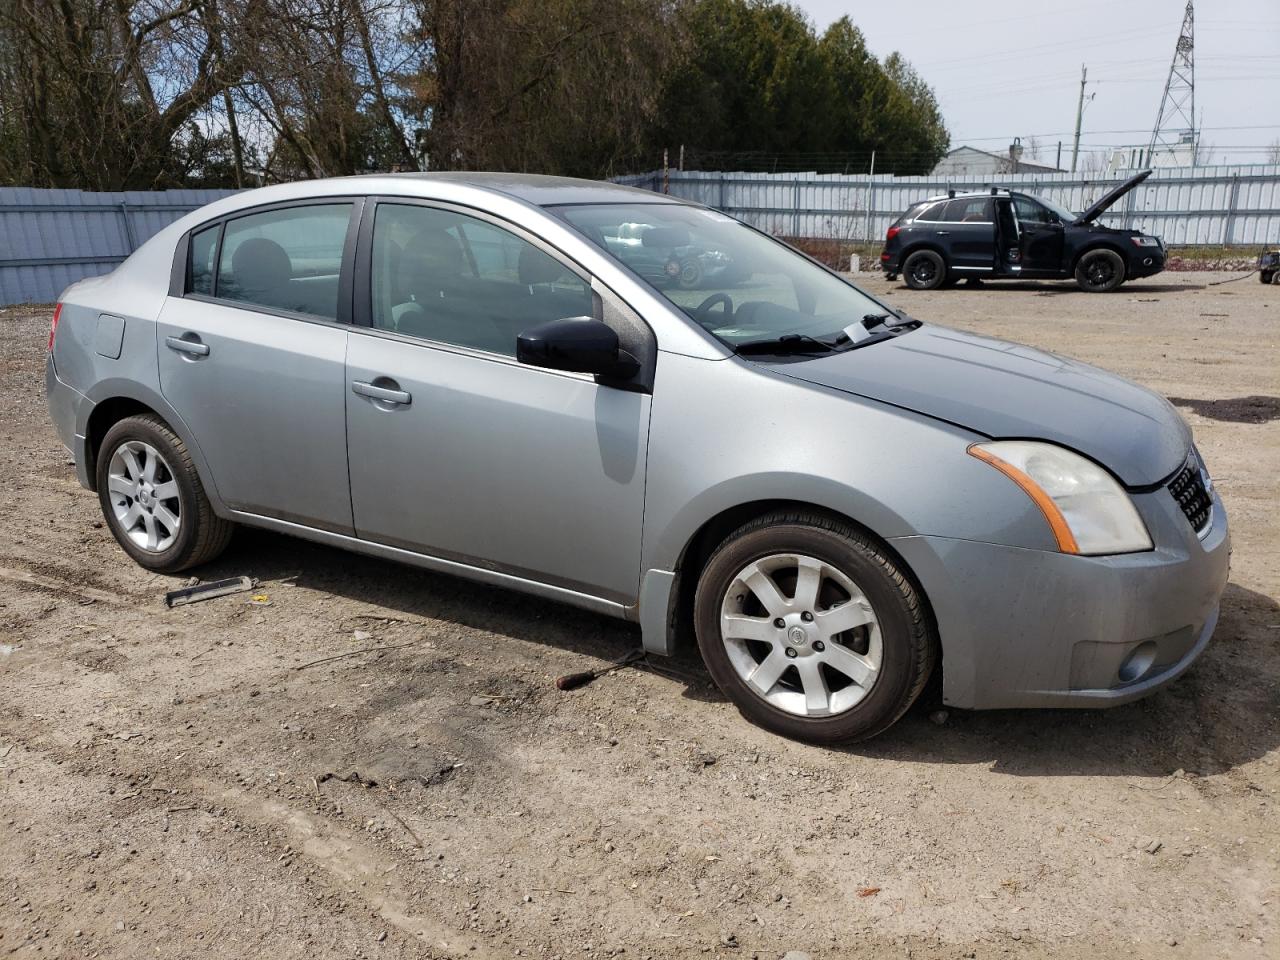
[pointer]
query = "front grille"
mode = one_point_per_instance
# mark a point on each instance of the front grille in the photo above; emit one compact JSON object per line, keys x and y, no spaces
{"x":1189,"y":490}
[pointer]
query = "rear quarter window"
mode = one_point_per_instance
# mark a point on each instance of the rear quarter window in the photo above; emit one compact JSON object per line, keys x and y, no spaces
{"x":200,"y":260}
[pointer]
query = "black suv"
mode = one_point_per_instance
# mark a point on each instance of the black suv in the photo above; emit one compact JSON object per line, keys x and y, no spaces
{"x":1004,"y":235}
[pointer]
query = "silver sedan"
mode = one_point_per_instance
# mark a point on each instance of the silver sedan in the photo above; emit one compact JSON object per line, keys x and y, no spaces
{"x":648,"y":409}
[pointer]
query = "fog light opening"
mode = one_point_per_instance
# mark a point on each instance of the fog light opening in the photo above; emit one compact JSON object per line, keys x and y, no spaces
{"x":1138,"y":662}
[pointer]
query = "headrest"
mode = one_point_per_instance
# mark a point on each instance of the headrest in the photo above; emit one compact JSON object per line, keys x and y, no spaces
{"x":536,"y":267}
{"x":431,"y":251}
{"x":260,"y":264}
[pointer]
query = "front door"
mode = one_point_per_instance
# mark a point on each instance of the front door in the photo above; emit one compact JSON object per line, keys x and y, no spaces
{"x":252,"y":359}
{"x":1040,"y":238}
{"x":460,"y":452}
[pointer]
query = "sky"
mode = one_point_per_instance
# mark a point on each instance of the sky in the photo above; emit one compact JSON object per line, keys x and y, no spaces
{"x":1004,"y":69}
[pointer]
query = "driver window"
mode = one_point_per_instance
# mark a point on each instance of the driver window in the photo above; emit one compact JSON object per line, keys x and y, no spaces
{"x":1031,"y":212}
{"x":447,"y":277}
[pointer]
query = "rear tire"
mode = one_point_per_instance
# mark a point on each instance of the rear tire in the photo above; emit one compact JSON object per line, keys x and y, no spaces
{"x":1267,"y":276}
{"x":153,"y":500}
{"x":811,"y":693}
{"x":925,"y":270}
{"x":1100,"y":271}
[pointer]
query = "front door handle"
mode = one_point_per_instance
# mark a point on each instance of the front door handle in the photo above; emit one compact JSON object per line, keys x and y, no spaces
{"x":385,"y":394}
{"x":184,"y":345}
{"x":942,"y":233}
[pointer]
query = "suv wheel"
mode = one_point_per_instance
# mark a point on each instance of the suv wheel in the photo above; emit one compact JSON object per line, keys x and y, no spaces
{"x":1267,"y":276}
{"x":153,"y":500}
{"x":1100,"y":271}
{"x":812,"y":630}
{"x":924,"y":270}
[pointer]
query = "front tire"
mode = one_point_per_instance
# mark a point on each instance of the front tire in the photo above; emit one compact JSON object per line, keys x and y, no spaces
{"x":1100,"y":271}
{"x":153,"y":500}
{"x":925,"y":270}
{"x":1267,"y":276}
{"x":812,"y":630}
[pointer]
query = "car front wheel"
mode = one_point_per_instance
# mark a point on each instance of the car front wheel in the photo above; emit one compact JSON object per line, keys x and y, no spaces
{"x":1100,"y":271}
{"x":812,"y":630}
{"x":153,"y":500}
{"x":924,"y":270}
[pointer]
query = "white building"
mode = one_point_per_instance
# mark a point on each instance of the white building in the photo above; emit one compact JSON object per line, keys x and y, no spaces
{"x":972,"y":162}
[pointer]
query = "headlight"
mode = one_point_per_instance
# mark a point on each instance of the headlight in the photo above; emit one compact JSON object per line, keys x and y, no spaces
{"x":1146,"y":241}
{"x":1088,"y":512}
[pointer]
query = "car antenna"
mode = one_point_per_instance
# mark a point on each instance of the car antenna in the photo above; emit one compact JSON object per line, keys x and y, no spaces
{"x":951,"y":193}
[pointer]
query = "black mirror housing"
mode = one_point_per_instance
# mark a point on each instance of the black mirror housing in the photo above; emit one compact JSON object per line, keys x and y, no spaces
{"x":577,"y":344}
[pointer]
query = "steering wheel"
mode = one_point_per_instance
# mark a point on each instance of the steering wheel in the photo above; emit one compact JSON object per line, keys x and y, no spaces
{"x":701,"y":316}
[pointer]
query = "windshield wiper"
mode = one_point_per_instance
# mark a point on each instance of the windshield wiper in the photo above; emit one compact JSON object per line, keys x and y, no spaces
{"x":788,"y":343}
{"x":873,"y":320}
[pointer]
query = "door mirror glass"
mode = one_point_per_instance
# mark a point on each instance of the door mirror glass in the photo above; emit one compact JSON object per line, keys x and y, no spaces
{"x":577,"y":344}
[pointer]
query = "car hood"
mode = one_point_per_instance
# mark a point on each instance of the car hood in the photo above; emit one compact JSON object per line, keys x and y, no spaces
{"x":1008,"y":391}
{"x":1104,"y":202}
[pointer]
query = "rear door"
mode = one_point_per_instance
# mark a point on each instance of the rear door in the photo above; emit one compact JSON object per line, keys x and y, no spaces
{"x":252,"y":357}
{"x":459,"y":451}
{"x":969,"y":222}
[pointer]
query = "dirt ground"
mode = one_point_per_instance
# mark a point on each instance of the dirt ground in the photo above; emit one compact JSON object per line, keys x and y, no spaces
{"x":188,"y":783}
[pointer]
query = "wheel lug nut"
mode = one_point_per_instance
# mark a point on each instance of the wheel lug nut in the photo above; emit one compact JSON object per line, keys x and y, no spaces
{"x":819,"y":645}
{"x":807,"y":617}
{"x":780,"y":623}
{"x":791,"y":652}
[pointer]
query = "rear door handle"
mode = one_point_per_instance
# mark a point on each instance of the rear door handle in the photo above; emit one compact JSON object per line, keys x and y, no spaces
{"x":941,"y":233}
{"x":385,"y":394}
{"x":183,"y":345}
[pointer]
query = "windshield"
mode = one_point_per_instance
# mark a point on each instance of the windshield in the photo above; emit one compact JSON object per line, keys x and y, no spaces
{"x":739,"y":284}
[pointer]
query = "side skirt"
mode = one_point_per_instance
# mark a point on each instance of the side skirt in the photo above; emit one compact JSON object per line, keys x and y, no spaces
{"x":495,"y":578}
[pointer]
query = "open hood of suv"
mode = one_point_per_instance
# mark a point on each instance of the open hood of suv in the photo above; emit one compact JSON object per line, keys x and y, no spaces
{"x":1110,"y":197}
{"x":1008,"y":391}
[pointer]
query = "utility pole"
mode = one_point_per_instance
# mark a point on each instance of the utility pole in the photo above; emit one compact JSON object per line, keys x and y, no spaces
{"x":1075,"y":150}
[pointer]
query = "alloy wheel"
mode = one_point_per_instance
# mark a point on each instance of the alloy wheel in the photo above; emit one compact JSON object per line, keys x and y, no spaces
{"x":801,"y":635}
{"x":144,"y":496}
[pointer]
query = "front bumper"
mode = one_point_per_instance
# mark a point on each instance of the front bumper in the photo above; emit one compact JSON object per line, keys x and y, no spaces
{"x":1146,"y":261}
{"x":1026,"y":628}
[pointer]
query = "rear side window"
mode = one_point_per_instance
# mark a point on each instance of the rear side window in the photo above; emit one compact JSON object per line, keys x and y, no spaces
{"x":452,"y":278}
{"x":289,"y":259}
{"x":968,"y":210}
{"x":204,"y":246}
{"x":931,"y":213}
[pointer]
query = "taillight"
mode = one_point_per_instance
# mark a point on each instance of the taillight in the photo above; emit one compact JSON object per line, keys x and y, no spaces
{"x":53,"y":327}
{"x":893,"y":232}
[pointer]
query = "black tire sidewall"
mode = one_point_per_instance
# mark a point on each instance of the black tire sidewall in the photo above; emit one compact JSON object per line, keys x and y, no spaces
{"x":884,"y":704}
{"x":146,"y":430}
{"x":940,"y":273}
{"x":1082,"y":271}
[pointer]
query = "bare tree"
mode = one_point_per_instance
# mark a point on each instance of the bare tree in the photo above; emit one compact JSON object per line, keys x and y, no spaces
{"x":1273,"y":151}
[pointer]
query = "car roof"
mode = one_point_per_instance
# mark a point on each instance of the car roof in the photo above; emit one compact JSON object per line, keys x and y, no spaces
{"x":541,"y":190}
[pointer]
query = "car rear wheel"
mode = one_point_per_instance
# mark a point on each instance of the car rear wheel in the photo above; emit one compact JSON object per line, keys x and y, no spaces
{"x":1100,"y":271}
{"x":812,"y":630}
{"x":1266,"y":276}
{"x":153,"y":500}
{"x":924,"y":270}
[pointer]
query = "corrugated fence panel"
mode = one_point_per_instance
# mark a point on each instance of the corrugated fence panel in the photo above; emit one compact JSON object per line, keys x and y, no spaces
{"x":1201,"y":205}
{"x":51,"y":238}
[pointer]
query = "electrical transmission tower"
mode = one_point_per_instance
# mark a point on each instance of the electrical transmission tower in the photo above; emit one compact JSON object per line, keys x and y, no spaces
{"x":1175,"y":128}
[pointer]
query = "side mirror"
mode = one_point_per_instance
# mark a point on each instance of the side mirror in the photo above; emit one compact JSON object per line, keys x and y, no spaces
{"x":579,"y":344}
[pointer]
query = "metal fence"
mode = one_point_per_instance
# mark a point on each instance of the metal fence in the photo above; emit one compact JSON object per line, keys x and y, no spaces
{"x":51,"y":238}
{"x":1229,"y":205}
